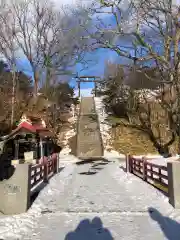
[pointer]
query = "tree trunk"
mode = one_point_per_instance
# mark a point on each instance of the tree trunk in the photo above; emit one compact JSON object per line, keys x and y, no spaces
{"x":13,"y":96}
{"x":36,"y":80}
{"x":163,"y":150}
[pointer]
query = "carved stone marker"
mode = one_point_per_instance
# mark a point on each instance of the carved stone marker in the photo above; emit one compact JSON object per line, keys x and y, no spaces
{"x":11,"y":188}
{"x":15,"y":191}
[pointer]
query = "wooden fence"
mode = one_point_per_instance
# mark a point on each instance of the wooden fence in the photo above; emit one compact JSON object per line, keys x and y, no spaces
{"x":40,"y":173}
{"x":149,"y":172}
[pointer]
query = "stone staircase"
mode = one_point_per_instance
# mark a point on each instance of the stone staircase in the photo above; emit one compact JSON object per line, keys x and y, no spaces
{"x":89,"y":141}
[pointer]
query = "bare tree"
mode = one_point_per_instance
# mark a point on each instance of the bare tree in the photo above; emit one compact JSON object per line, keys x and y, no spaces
{"x":139,"y":109}
{"x":162,"y":20}
{"x":150,"y":117}
{"x":152,"y":31}
{"x":8,"y":49}
{"x":48,"y":39}
{"x":140,"y":24}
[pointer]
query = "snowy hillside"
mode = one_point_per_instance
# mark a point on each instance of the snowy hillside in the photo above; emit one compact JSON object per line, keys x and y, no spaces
{"x":105,"y":129}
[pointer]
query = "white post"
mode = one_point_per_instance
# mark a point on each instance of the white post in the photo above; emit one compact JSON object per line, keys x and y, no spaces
{"x":127,"y":163}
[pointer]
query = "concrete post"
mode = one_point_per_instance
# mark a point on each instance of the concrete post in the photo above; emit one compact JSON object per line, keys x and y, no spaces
{"x":15,"y":191}
{"x":174,"y":183}
{"x":127,"y":163}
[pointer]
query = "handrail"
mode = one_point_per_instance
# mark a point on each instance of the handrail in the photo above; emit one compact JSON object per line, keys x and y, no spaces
{"x":41,"y":172}
{"x":98,"y":122}
{"x":146,"y":170}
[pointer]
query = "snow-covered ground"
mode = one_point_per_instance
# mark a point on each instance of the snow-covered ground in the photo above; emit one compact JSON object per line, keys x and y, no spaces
{"x":163,"y":161}
{"x":105,"y":132}
{"x":95,"y":201}
{"x":105,"y":129}
{"x":104,"y":126}
{"x":159,"y":160}
{"x":16,"y":226}
{"x":70,"y":133}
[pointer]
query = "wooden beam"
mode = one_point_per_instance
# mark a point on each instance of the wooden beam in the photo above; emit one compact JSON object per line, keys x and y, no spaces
{"x":88,"y":81}
{"x":88,"y":77}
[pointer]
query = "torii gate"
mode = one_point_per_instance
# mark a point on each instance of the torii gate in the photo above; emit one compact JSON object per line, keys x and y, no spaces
{"x":94,"y":79}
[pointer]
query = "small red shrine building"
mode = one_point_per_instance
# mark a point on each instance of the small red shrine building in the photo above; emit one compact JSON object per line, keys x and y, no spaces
{"x":34,"y":125}
{"x":31,"y":134}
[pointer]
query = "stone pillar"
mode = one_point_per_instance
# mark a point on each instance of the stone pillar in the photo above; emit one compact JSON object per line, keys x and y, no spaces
{"x":79,"y":89}
{"x":15,"y":191}
{"x":174,"y":183}
{"x":127,"y":163}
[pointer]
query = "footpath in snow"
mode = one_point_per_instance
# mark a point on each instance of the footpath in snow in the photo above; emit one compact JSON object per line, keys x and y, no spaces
{"x":95,"y":201}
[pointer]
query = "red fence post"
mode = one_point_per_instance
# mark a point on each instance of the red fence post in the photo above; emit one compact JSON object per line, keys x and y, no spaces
{"x":159,"y":171}
{"x":144,"y":168}
{"x":45,"y":164}
{"x":130,"y":163}
{"x":55,"y":163}
{"x":55,"y":166}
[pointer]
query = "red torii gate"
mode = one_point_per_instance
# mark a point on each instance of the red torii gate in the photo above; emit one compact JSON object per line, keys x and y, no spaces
{"x":94,"y":79}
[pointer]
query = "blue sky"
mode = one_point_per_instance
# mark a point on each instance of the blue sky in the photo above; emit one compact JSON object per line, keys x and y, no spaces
{"x":97,"y":67}
{"x":99,"y":57}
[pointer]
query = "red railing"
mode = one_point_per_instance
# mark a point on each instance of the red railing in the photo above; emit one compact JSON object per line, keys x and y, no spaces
{"x":149,"y":172}
{"x":37,"y":174}
{"x":42,"y":172}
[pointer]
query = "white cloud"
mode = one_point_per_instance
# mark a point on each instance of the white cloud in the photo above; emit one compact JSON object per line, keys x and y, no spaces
{"x":87,"y":92}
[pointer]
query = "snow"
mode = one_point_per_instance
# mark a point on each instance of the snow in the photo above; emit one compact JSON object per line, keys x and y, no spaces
{"x":163,"y":161}
{"x":14,"y":227}
{"x":148,"y":156}
{"x":96,"y":200}
{"x":118,"y":200}
{"x":104,"y":126}
{"x":87,"y":92}
{"x":157,"y":159}
{"x":105,"y":129}
{"x":69,"y":134}
{"x":106,"y":137}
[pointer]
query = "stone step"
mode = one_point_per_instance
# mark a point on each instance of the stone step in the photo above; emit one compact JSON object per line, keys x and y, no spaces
{"x":89,"y":142}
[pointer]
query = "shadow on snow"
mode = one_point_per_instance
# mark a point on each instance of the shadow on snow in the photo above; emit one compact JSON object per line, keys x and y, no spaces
{"x":90,"y":230}
{"x":169,"y":227}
